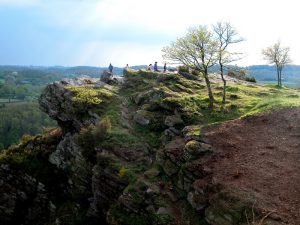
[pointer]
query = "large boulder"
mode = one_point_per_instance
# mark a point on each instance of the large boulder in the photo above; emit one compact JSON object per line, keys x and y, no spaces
{"x":106,"y":76}
{"x":57,"y":101}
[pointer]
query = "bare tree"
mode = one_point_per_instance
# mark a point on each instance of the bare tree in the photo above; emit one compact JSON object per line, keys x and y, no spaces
{"x":196,"y":50}
{"x":226,"y":35}
{"x":278,"y":55}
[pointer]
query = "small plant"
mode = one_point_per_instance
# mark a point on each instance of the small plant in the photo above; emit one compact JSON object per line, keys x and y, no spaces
{"x":122,"y":172}
{"x":102,"y":129}
{"x":254,"y":220}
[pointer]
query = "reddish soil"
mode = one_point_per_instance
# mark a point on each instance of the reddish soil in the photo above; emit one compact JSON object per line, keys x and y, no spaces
{"x":260,"y":155}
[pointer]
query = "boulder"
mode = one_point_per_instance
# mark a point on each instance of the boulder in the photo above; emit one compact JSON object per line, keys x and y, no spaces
{"x":192,"y":132}
{"x":106,"y":76}
{"x":173,"y":120}
{"x":142,"y":117}
{"x":196,"y":148}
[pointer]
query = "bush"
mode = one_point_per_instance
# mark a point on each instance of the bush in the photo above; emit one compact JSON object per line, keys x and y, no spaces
{"x":250,"y":79}
{"x":195,"y":72}
{"x":183,"y":69}
{"x":102,"y":129}
{"x":90,"y":137}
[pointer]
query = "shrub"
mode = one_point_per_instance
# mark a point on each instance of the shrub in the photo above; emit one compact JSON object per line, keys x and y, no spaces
{"x":183,"y":69}
{"x":195,"y":72}
{"x":102,"y":129}
{"x":250,"y":79}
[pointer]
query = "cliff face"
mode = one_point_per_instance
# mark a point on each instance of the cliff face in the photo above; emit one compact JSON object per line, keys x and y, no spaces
{"x":128,"y":152}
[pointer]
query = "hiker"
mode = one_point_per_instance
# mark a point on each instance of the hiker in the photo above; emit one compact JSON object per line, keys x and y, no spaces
{"x":126,"y":67}
{"x":110,"y":68}
{"x":155,"y":67}
{"x":149,"y":67}
{"x":165,"y":67}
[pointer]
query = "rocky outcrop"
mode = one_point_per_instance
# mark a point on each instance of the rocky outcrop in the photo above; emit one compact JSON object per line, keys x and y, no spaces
{"x":150,"y":163}
{"x":23,"y":199}
{"x":57,"y":101}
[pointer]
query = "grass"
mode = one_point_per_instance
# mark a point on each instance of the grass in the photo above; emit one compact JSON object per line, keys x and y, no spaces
{"x":189,"y":97}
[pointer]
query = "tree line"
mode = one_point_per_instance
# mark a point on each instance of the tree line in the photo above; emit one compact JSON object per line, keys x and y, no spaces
{"x":19,"y":119}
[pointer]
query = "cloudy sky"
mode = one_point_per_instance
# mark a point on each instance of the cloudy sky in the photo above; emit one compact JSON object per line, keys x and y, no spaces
{"x":96,"y":32}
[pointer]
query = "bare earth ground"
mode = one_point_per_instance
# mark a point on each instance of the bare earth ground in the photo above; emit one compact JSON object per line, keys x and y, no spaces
{"x":261,"y":155}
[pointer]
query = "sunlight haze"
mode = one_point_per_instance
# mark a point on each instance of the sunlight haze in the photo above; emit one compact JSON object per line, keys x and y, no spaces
{"x":97,"y":32}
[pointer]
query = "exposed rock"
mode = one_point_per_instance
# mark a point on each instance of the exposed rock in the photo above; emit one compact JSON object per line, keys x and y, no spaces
{"x":173,"y":120}
{"x":150,"y":95}
{"x":107,"y":187}
{"x":164,"y":211}
{"x":170,"y":168}
{"x":192,"y":133}
{"x":196,"y":148}
{"x":66,"y":151}
{"x":56,"y":101}
{"x":21,"y":195}
{"x":153,"y":172}
{"x":197,"y":200}
{"x":106,"y":76}
{"x":142,"y":117}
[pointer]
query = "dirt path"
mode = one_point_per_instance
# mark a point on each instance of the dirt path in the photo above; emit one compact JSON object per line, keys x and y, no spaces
{"x":261,"y":155}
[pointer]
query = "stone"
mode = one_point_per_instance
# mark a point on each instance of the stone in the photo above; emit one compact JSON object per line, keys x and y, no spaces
{"x":196,"y":148}
{"x":192,"y":132}
{"x":142,"y":117}
{"x":173,"y":120}
{"x":163,"y":211}
{"x":106,"y":76}
{"x":153,"y":172}
{"x":23,"y":199}
{"x":170,"y":168}
{"x":66,"y":151}
{"x":197,"y":200}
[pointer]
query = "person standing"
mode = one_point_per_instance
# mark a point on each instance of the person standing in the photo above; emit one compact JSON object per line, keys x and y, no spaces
{"x":165,"y":67}
{"x":155,"y":67}
{"x":149,"y":67}
{"x":110,"y":67}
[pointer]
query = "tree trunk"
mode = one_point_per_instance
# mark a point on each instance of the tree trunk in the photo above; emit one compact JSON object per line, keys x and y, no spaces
{"x":280,"y":70}
{"x":278,"y":77}
{"x":224,"y":83}
{"x":210,"y":95}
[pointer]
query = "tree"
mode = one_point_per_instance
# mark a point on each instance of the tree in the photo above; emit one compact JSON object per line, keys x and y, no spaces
{"x":225,"y":35}
{"x":278,"y":55}
{"x":197,"y":50}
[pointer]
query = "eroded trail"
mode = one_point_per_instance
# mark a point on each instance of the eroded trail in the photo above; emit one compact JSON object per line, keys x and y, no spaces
{"x":260,"y":156}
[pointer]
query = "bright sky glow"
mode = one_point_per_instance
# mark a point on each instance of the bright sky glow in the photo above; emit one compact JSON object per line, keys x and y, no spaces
{"x":96,"y":32}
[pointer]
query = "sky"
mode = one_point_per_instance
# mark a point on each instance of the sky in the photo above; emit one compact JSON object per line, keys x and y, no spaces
{"x":97,"y":32}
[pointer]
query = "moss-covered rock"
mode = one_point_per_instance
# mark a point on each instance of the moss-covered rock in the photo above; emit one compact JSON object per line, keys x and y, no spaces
{"x":170,"y":168}
{"x":196,"y":148}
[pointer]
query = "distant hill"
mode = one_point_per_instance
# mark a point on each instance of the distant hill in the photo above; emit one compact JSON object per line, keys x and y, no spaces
{"x":44,"y":75}
{"x":267,"y":74}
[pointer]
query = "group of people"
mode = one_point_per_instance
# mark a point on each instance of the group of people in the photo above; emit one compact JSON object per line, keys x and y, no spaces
{"x":150,"y":67}
{"x":155,"y":67}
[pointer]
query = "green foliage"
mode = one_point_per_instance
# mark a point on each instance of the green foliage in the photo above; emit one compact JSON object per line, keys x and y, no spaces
{"x":183,"y":69}
{"x":250,"y":79}
{"x":21,"y":118}
{"x":90,"y":96}
{"x":102,"y":129}
{"x":92,"y":136}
